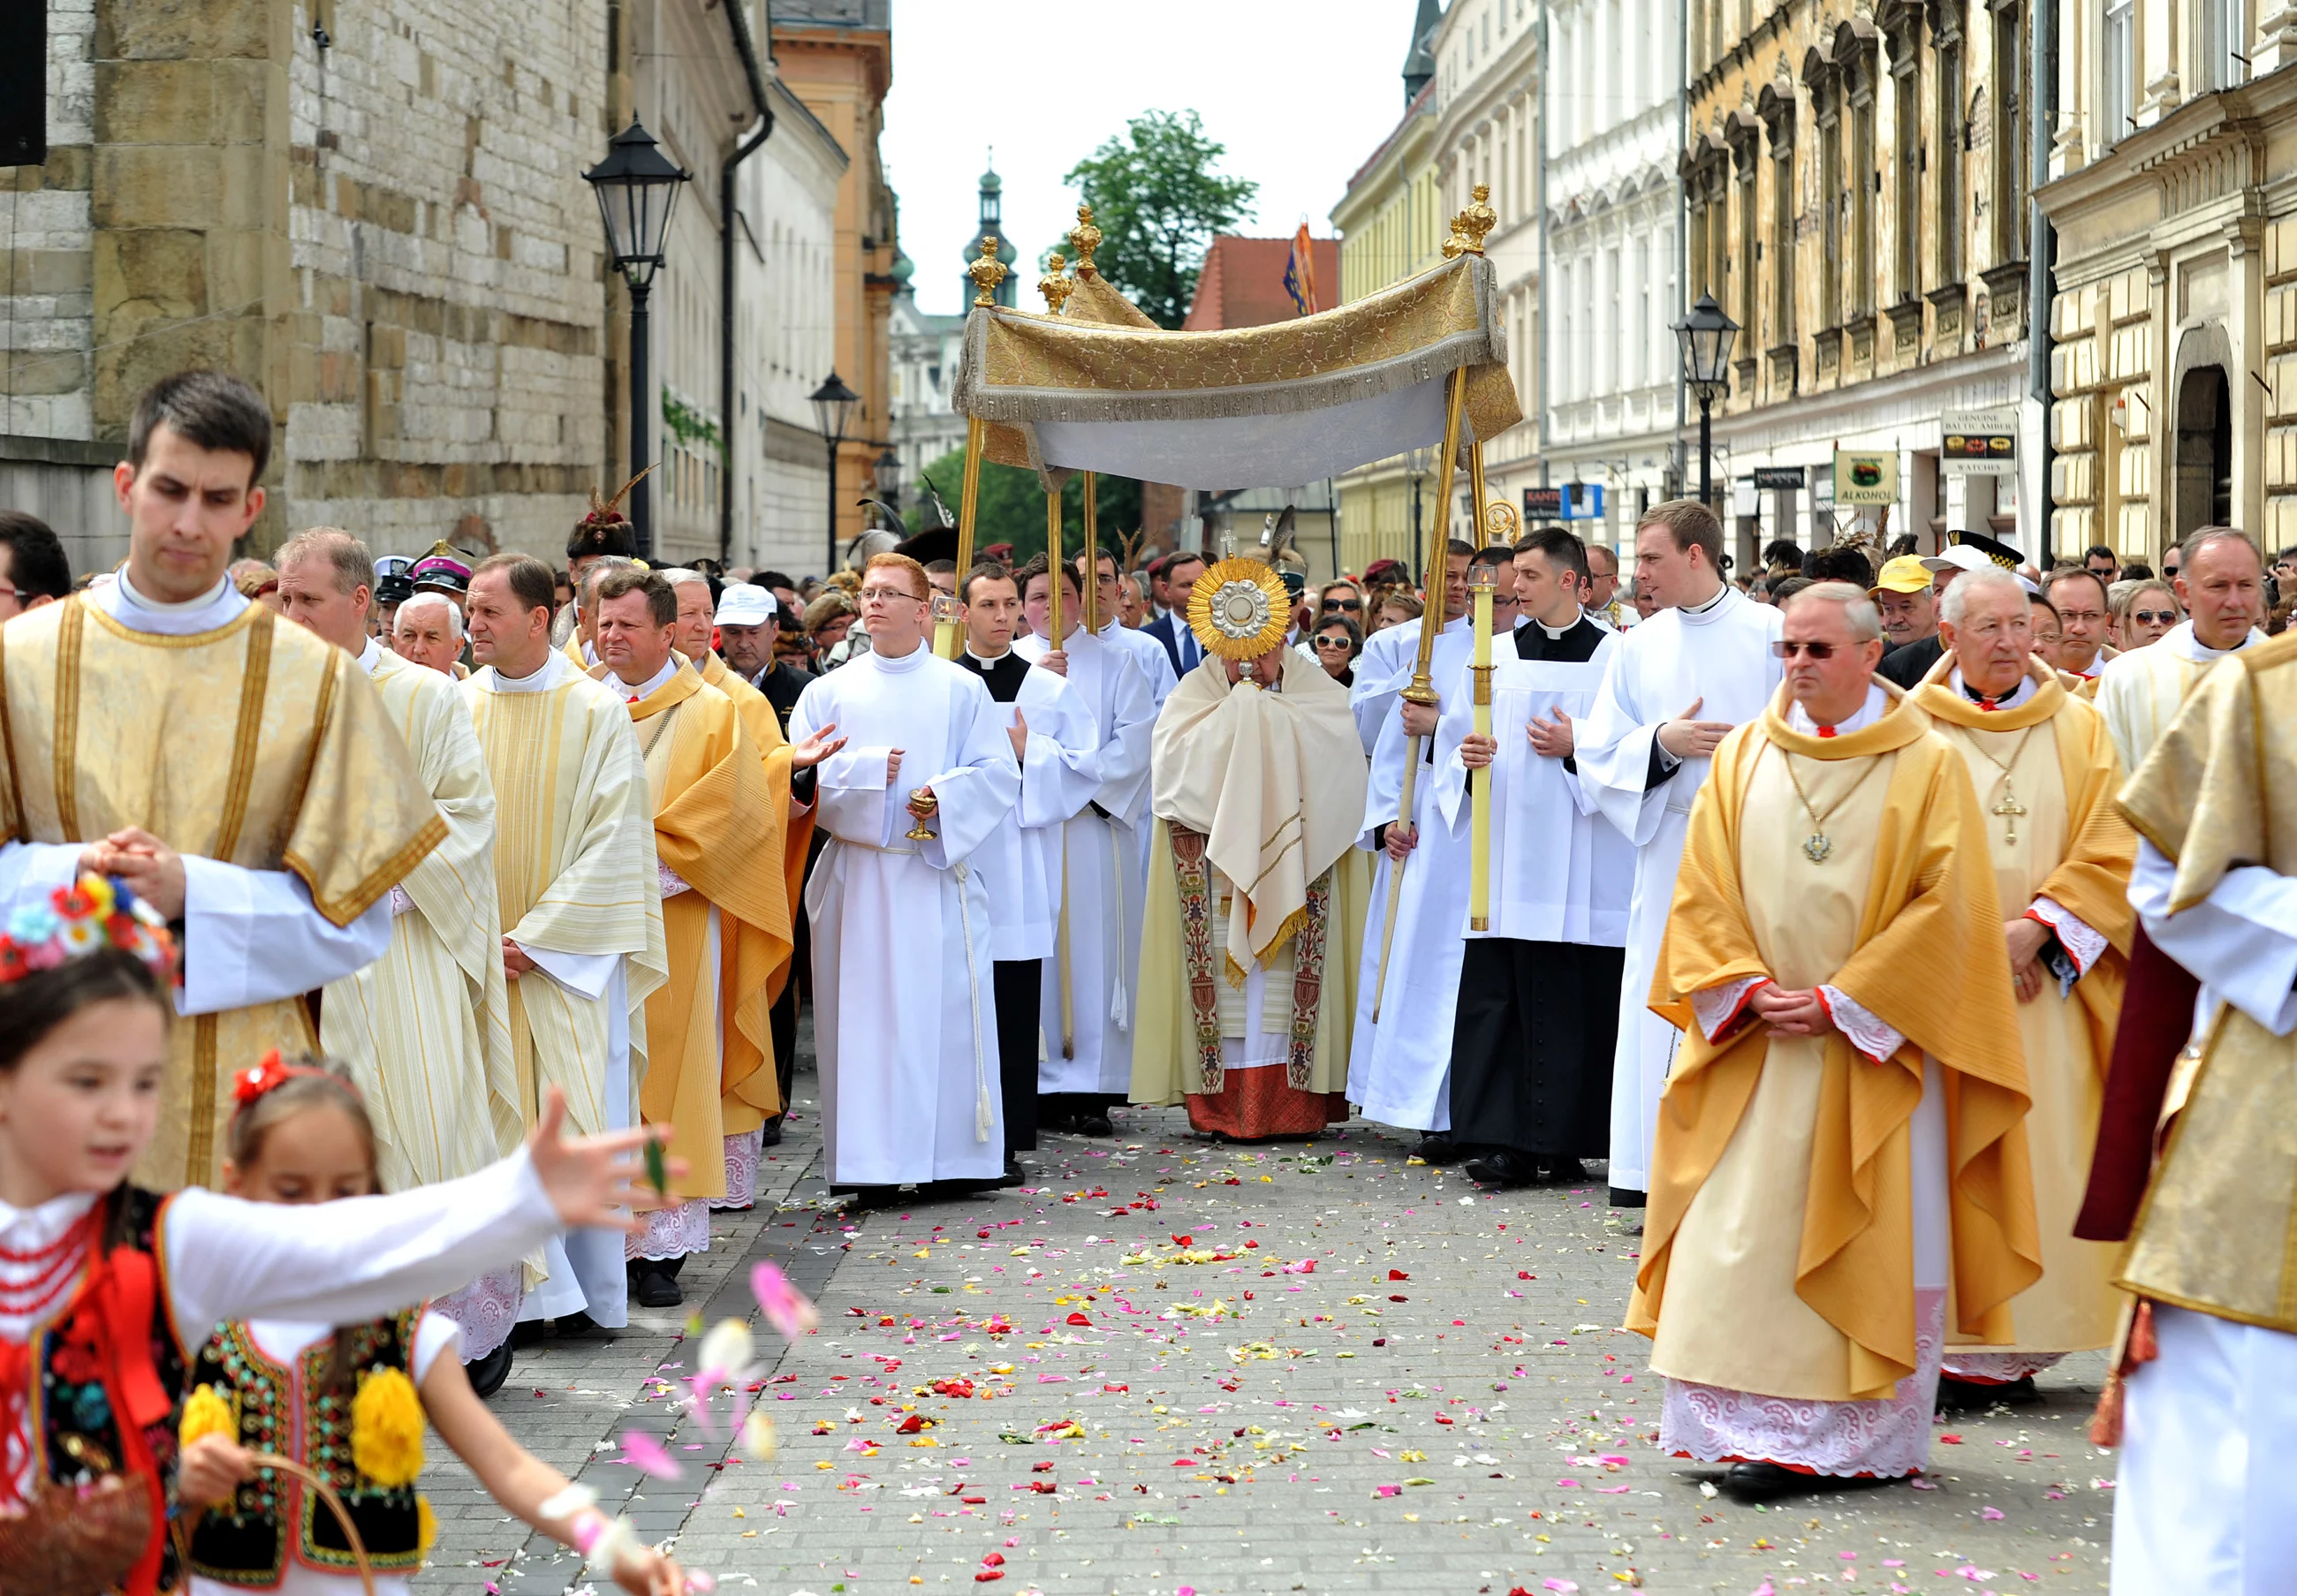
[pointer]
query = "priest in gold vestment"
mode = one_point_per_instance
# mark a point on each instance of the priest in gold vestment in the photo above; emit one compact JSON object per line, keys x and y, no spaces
{"x":2221,"y":582}
{"x":725,"y":914}
{"x":237,"y":771}
{"x":1254,"y":924}
{"x":1842,"y":1136}
{"x":2045,"y":773}
{"x":581,"y":899}
{"x":425,"y":1029}
{"x":2205,"y":1497}
{"x":783,"y":833}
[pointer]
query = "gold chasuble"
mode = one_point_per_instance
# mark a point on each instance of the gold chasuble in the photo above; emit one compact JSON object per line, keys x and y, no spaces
{"x":425,"y":1029}
{"x":256,"y":744}
{"x":2045,"y":773}
{"x":1779,"y":1256}
{"x":713,"y":829}
{"x":574,"y":873}
{"x":2221,"y":792}
{"x":756,"y":712}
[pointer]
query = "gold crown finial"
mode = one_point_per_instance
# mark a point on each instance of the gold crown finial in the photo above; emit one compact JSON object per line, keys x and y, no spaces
{"x":1458,"y":243}
{"x":1056,"y":287}
{"x":1085,"y":238}
{"x":1480,"y":218}
{"x":988,"y":273}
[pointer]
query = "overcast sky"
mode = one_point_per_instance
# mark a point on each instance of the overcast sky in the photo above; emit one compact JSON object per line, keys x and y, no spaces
{"x":1301,"y":95}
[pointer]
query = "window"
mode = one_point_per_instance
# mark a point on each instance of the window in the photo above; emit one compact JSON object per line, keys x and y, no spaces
{"x":1749,"y":228}
{"x":1782,"y":238}
{"x":1830,"y":201}
{"x":1639,"y":350}
{"x":2218,"y":47}
{"x":2010,"y":133}
{"x":1613,"y":331}
{"x":1865,"y":175}
{"x":1947,"y":156}
{"x":2117,"y":69}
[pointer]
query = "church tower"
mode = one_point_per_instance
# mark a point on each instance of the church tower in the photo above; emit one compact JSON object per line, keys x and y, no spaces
{"x":993,"y":205}
{"x":1419,"y":60}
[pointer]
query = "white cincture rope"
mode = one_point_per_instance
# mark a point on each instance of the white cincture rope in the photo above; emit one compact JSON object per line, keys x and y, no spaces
{"x":983,"y":1121}
{"x":1117,"y":1009}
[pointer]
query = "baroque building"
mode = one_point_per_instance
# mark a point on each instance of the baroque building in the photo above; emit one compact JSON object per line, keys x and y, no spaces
{"x":1857,"y":181}
{"x":2174,"y":375}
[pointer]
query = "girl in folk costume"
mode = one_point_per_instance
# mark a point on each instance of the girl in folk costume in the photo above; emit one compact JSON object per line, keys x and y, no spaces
{"x":349,"y":1402}
{"x":105,"y":1288}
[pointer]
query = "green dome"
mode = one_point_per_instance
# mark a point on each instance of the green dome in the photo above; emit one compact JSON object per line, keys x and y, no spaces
{"x":904,"y":268}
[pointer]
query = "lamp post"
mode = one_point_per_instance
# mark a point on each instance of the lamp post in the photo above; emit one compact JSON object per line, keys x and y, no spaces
{"x":1705,"y":337}
{"x":833,"y":406}
{"x":886,"y":468}
{"x":637,"y":185}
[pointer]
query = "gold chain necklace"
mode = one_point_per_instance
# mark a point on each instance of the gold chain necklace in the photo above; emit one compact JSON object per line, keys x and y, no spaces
{"x":2008,"y":808}
{"x":1818,"y":845}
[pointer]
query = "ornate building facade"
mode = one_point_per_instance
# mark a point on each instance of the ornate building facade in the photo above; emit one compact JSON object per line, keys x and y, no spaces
{"x":1857,"y":179}
{"x":2174,"y":377}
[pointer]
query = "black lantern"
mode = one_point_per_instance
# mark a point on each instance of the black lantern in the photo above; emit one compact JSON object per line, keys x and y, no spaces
{"x":637,"y":185}
{"x":833,"y":408}
{"x":1705,"y":337}
{"x":887,"y":468}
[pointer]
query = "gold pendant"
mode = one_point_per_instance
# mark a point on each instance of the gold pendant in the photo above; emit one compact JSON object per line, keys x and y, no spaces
{"x":1816,"y":846}
{"x":2009,"y":809}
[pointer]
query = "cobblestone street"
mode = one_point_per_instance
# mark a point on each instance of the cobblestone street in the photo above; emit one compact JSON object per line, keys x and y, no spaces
{"x":1174,"y":1366}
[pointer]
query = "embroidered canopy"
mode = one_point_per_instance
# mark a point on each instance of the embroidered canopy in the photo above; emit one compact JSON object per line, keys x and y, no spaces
{"x":1248,"y":407}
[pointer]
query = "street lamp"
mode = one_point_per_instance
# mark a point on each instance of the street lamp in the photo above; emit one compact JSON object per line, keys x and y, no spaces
{"x":637,"y":185}
{"x":833,"y":406}
{"x":1705,"y":337}
{"x":887,"y":469}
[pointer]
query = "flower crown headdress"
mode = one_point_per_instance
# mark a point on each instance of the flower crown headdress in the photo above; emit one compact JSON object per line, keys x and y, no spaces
{"x":93,"y":913}
{"x":271,"y":1072}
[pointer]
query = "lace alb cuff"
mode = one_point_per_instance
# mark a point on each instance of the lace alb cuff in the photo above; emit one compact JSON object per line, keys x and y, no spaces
{"x":400,"y":903}
{"x":1866,"y":1033}
{"x":1720,"y":1008}
{"x":2083,"y":944}
{"x":672,"y":882}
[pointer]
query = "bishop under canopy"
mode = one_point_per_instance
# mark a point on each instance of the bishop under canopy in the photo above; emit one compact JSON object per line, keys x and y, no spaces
{"x":1289,"y":402}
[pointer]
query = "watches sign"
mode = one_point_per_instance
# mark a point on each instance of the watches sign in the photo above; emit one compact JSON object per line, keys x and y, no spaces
{"x":1977,"y":443}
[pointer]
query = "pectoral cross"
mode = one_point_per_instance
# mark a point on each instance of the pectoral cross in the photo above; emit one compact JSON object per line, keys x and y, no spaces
{"x":2009,"y":809}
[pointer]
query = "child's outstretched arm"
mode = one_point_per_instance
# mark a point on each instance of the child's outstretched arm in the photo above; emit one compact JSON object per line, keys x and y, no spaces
{"x":521,"y":1482}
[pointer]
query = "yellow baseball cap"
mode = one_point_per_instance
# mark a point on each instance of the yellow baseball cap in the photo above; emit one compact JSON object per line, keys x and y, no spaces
{"x":1905,"y":574}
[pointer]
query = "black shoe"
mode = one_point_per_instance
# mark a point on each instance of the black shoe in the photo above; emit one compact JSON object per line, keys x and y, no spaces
{"x":528,"y":1332}
{"x":1504,"y":1169}
{"x":488,"y":1374}
{"x":867,"y":1198}
{"x":770,"y":1132}
{"x":1976,"y":1396}
{"x":1436,"y":1147}
{"x":1014,"y":1175}
{"x":1562,"y":1171}
{"x":1768,"y":1482}
{"x":654,"y":1287}
{"x":1623,"y":1197}
{"x":1095,"y":1123}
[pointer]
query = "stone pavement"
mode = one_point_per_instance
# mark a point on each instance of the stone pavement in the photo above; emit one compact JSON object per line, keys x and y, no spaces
{"x":1174,"y":1366}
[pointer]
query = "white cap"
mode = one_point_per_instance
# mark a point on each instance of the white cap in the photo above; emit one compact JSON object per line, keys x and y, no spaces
{"x":1960,"y":557}
{"x":745,"y":603}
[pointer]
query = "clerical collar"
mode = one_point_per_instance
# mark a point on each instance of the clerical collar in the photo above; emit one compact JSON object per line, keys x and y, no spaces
{"x":1554,"y":632}
{"x":651,"y":686}
{"x":1700,"y":615}
{"x":1878,"y":703}
{"x":2024,"y":690}
{"x":2188,"y":642}
{"x":972,"y":653}
{"x":218,"y":606}
{"x":542,"y":680}
{"x":371,"y":656}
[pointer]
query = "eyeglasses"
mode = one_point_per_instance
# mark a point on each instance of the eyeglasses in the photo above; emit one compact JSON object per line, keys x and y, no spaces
{"x":1344,"y":604}
{"x":1817,"y":651}
{"x":2154,"y":617}
{"x":889,"y":595}
{"x":1331,"y":643}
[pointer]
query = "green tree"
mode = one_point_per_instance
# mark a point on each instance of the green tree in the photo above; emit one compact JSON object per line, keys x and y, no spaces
{"x":1157,"y":203}
{"x":1011,"y":508}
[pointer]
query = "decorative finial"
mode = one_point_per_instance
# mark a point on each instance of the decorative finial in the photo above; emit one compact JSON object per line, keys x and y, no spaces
{"x":1054,"y":284}
{"x":988,"y":273}
{"x":1085,"y":238}
{"x":1480,"y":218}
{"x":1458,"y":245}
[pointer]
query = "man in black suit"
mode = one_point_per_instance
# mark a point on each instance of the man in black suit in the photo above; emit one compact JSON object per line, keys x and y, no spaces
{"x":1175,"y":575}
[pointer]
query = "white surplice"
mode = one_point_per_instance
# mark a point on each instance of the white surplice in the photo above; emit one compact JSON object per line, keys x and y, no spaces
{"x":905,"y":1018}
{"x":2202,"y":1499}
{"x":1382,"y":671}
{"x":1102,"y":878}
{"x":1400,"y":1066}
{"x":2141,"y":690}
{"x":1155,"y":664}
{"x":260,"y":936}
{"x":1559,"y":873}
{"x":1720,"y":657}
{"x":1020,"y":862}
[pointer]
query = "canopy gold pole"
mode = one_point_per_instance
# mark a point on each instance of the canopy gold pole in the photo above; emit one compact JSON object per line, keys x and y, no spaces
{"x":1084,"y":238}
{"x":987,"y":273}
{"x":1469,"y":230}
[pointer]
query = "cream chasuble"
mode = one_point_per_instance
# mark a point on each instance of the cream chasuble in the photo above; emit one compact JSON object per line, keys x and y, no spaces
{"x":905,"y":1014}
{"x":1784,"y":1239}
{"x":713,"y":833}
{"x":2140,"y":692}
{"x":425,"y":1029}
{"x":2045,"y":773}
{"x":254,"y":744}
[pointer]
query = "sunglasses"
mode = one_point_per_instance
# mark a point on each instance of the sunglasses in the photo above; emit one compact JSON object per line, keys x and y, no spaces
{"x":1344,"y":604}
{"x":2154,"y":617}
{"x":1817,"y":651}
{"x":1331,"y":643}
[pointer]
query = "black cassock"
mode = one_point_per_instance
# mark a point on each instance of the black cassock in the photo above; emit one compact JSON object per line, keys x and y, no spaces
{"x":1537,"y":1022}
